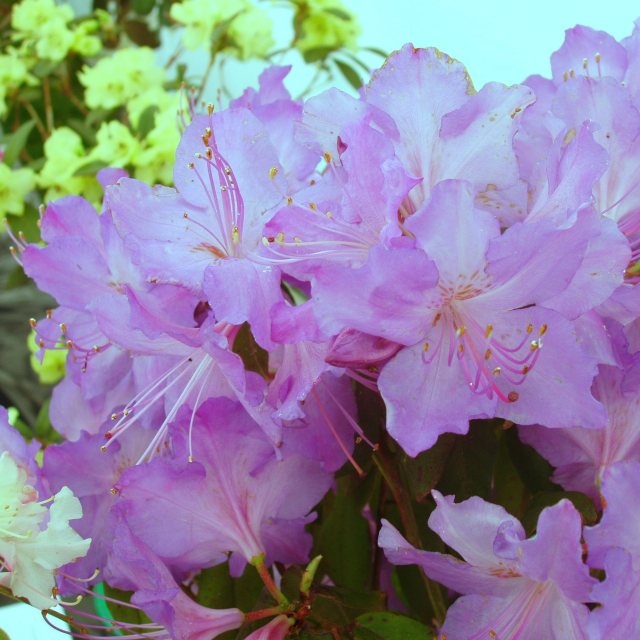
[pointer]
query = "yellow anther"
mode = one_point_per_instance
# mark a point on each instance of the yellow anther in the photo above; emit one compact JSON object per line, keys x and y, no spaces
{"x":534,"y":345}
{"x":425,"y":347}
{"x":235,"y":235}
{"x":289,"y":201}
{"x":190,"y":165}
{"x":460,"y":331}
{"x":598,"y":57}
{"x":525,"y":369}
{"x":543,"y":329}
{"x":327,"y":157}
{"x":488,"y":331}
{"x":33,"y":322}
{"x":329,"y":214}
{"x":280,"y":237}
{"x":529,"y":328}
{"x":585,"y":63}
{"x":487,"y":354}
{"x":496,"y":372}
{"x":513,"y":396}
{"x":210,"y":109}
{"x":460,"y":348}
{"x":209,"y":153}
{"x":313,"y":206}
{"x":273,"y":172}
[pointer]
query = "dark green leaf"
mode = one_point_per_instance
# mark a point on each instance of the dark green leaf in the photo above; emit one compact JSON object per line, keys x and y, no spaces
{"x":254,"y":357}
{"x":337,"y":607}
{"x":91,"y":168}
{"x":509,"y":490}
{"x":87,"y":131}
{"x":343,"y":538}
{"x":4,"y":635}
{"x":410,"y":587}
{"x":469,"y":470}
{"x":424,"y":471}
{"x":338,"y":13}
{"x":43,"y":429}
{"x":16,"y":142}
{"x":44,"y":68}
{"x":215,"y":587}
{"x":548,"y":498}
{"x":391,"y":626}
{"x":350,"y":74}
{"x":121,"y":612}
{"x":378,"y":52}
{"x":218,"y":39}
{"x":535,"y":472}
{"x":141,"y":34}
{"x":147,"y":120}
{"x":248,"y":590}
{"x":317,"y":53}
{"x":143,"y":7}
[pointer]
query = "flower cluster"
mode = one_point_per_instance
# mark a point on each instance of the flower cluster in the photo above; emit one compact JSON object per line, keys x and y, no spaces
{"x":339,"y":299}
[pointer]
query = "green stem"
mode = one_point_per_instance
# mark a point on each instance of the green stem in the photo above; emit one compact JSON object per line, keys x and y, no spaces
{"x":263,"y":572}
{"x":401,"y":496}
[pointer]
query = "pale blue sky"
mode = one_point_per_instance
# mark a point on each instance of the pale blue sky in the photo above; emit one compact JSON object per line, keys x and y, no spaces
{"x":497,"y":40}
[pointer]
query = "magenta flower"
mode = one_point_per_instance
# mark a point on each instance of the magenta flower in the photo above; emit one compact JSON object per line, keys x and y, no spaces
{"x":580,"y":455}
{"x":512,"y":587}
{"x":613,"y":546}
{"x":478,"y":335}
{"x":133,"y":566}
{"x":235,"y":498}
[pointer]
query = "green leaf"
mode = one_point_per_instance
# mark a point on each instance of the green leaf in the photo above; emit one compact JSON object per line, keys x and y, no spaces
{"x":4,"y":635}
{"x":338,"y":607}
{"x":509,"y":490}
{"x":215,"y":587}
{"x":338,"y":13}
{"x":424,"y":471}
{"x":350,"y":74}
{"x":378,"y":52}
{"x":91,"y":168}
{"x":317,"y":53}
{"x":254,"y":357}
{"x":43,"y":429}
{"x":143,"y":7}
{"x":535,"y":472}
{"x":16,"y":142}
{"x":343,"y":538}
{"x":147,"y":120}
{"x":141,"y":34}
{"x":44,"y":68}
{"x":469,"y":469}
{"x":545,"y":499}
{"x":391,"y":626}
{"x":121,"y":612}
{"x":218,"y":42}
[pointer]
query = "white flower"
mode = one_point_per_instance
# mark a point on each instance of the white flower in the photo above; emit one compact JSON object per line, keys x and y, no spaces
{"x":35,"y":540}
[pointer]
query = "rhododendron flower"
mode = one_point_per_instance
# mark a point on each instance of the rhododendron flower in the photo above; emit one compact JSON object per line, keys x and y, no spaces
{"x":235,"y":498}
{"x":477,"y":335}
{"x":35,"y":537}
{"x":512,"y":587}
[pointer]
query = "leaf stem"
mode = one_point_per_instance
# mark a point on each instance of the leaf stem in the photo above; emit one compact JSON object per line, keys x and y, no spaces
{"x":384,"y":463}
{"x":263,"y":572}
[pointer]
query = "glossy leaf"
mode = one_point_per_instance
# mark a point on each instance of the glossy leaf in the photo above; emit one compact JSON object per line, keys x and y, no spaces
{"x":391,"y":626}
{"x":16,"y":142}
